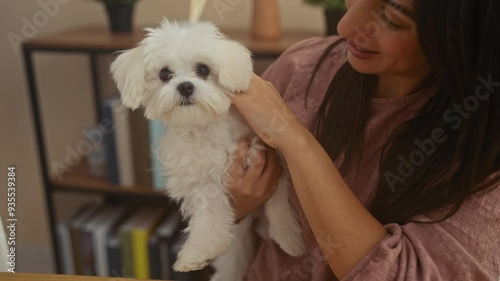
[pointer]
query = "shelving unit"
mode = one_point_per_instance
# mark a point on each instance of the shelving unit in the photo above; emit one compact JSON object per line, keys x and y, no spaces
{"x":79,"y":180}
{"x":93,"y":41}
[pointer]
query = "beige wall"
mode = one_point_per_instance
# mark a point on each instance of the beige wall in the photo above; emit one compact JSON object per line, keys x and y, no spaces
{"x":65,"y":94}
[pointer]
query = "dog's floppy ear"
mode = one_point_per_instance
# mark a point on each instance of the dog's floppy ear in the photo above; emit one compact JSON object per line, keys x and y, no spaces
{"x":128,"y":72}
{"x":235,"y":65}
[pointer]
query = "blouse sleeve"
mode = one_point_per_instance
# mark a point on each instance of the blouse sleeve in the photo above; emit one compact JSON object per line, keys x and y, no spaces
{"x":293,"y":71}
{"x":281,"y":71}
{"x":294,"y":67}
{"x":463,"y":247}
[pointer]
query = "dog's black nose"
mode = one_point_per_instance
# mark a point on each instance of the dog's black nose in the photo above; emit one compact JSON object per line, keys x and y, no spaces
{"x":185,"y":88}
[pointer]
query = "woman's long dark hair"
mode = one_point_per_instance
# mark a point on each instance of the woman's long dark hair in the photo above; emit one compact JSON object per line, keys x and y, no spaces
{"x":461,"y":40}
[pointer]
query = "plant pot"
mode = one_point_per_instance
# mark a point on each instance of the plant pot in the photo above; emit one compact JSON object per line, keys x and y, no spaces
{"x":120,"y":17}
{"x":332,"y":18}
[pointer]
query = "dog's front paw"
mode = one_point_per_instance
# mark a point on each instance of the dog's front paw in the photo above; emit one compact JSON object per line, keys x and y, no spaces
{"x":187,"y":263}
{"x":289,"y":237}
{"x":295,"y":248}
{"x":194,"y":257}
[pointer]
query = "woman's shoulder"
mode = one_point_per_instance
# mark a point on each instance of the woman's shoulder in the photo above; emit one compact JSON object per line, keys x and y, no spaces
{"x":292,"y":73}
{"x":299,"y":60}
{"x":310,"y":50}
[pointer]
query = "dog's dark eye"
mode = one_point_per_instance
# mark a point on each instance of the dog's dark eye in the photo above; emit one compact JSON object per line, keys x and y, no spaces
{"x":165,"y":74}
{"x":202,"y":70}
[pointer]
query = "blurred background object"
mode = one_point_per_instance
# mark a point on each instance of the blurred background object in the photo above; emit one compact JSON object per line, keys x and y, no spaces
{"x":120,"y":14}
{"x":4,"y":249}
{"x":333,"y":10}
{"x":266,"y":22}
{"x":196,"y":8}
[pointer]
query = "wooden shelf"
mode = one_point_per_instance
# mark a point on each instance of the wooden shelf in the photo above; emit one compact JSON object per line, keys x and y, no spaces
{"x":54,"y":277}
{"x":99,"y":38}
{"x":80,"y":180}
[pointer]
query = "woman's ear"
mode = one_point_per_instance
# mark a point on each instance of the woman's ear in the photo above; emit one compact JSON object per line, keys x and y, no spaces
{"x":235,"y":65}
{"x":128,"y":72}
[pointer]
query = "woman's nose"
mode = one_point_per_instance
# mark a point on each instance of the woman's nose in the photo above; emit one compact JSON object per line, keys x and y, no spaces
{"x":359,"y":22}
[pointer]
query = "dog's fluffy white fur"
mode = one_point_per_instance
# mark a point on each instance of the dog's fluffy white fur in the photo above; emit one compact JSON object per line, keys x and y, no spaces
{"x":201,"y":140}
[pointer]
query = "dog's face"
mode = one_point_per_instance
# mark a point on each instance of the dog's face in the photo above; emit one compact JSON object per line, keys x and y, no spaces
{"x":183,"y":73}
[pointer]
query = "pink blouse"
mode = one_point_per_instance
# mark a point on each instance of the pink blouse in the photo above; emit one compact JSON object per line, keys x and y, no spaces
{"x":464,"y":247}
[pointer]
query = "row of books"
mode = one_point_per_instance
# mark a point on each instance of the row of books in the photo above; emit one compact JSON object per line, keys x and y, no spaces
{"x":116,"y":241}
{"x":126,"y":156}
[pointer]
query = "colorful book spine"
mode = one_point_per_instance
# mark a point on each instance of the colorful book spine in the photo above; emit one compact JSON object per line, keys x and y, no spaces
{"x":141,"y":254}
{"x":155,"y":263}
{"x":77,"y":239}
{"x":140,"y":242}
{"x":65,"y":249}
{"x":109,"y":139}
{"x":123,"y":144}
{"x":167,"y":232}
{"x":127,"y":259}
{"x":156,"y":131}
{"x":114,"y":255}
{"x":140,"y":148}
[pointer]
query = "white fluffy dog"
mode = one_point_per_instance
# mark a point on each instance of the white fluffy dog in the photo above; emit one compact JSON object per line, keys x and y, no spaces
{"x":184,"y":75}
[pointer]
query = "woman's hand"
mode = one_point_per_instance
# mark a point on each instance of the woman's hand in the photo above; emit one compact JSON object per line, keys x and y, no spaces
{"x":267,"y":113}
{"x":252,"y":186}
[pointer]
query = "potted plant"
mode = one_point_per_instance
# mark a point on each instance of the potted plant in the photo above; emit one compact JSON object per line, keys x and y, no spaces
{"x":334,"y":10}
{"x":120,"y":14}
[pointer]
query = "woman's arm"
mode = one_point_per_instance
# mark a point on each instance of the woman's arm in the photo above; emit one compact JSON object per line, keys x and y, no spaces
{"x":464,"y":247}
{"x":336,"y":216}
{"x":343,"y":227}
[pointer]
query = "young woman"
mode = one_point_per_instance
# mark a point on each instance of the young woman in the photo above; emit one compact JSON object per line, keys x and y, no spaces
{"x":391,"y":134}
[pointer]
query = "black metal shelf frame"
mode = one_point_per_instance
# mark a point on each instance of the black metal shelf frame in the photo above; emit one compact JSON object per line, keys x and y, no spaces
{"x":28,"y":55}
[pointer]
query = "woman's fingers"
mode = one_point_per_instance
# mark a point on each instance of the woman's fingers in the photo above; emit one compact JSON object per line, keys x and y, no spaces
{"x":252,"y":186}
{"x":238,"y":166}
{"x":253,"y":174}
{"x":257,"y":165}
{"x":271,"y":173}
